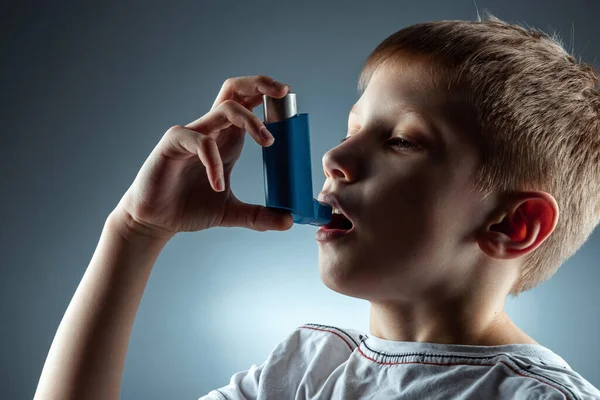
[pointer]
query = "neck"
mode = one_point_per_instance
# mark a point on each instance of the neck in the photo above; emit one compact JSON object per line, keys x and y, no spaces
{"x":456,"y":321}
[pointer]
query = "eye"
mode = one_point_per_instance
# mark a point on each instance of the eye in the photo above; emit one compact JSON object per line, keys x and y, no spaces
{"x":399,"y":142}
{"x":402,"y":143}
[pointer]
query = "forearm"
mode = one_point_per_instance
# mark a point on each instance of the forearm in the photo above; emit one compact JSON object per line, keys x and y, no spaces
{"x":87,"y":355}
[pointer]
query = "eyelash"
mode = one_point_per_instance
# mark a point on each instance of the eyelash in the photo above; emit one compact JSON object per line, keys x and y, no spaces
{"x":394,"y":139}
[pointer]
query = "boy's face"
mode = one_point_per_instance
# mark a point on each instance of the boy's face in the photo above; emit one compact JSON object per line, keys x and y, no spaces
{"x":414,"y":218}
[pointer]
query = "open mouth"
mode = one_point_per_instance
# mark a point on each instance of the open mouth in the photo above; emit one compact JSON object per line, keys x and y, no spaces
{"x":339,"y":221}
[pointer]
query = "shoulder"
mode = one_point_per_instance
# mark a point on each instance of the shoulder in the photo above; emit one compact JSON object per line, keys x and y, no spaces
{"x":330,"y":336}
{"x":312,"y":344}
{"x":309,"y":353}
{"x":553,"y":373}
{"x":568,"y":381}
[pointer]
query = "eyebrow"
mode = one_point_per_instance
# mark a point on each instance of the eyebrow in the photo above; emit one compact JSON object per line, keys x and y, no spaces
{"x":431,"y":127}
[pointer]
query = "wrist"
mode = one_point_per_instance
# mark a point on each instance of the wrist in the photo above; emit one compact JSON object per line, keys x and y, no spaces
{"x":131,"y":230}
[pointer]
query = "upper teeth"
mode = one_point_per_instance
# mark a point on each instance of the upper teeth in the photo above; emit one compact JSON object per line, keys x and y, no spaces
{"x":336,"y":211}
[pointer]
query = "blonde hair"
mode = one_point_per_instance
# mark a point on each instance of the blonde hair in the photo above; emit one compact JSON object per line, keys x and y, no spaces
{"x":538,"y":116}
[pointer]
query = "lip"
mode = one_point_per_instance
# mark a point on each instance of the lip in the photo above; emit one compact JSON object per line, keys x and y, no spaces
{"x":332,"y":200}
{"x":327,"y":235}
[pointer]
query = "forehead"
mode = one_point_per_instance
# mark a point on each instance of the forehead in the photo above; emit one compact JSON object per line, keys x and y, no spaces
{"x":410,"y":85}
{"x":401,"y":93}
{"x":417,"y":87}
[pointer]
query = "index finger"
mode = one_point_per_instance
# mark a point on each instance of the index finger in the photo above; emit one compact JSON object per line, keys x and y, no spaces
{"x":242,"y":87}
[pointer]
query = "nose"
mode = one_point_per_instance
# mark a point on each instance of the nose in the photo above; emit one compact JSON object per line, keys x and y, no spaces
{"x":338,"y":164}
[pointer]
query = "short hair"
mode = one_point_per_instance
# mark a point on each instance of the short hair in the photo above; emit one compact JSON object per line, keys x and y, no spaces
{"x":537,"y":116}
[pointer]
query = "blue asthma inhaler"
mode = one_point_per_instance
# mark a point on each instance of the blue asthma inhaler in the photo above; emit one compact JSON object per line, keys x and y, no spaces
{"x":287,"y":163}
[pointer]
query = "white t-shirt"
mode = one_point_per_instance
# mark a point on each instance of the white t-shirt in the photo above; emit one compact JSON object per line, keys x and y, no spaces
{"x":325,"y":362}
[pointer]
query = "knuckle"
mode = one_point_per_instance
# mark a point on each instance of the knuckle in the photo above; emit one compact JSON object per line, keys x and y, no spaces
{"x":258,"y":124}
{"x":229,"y":103}
{"x":252,"y":219}
{"x":215,"y":164}
{"x":206,"y":146}
{"x":233,"y":109}
{"x":265,"y":79}
{"x":204,"y":143}
{"x":173,"y":130}
{"x":229,"y":82}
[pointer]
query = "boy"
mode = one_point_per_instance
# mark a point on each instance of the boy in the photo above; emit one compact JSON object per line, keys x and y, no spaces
{"x":467,"y":139}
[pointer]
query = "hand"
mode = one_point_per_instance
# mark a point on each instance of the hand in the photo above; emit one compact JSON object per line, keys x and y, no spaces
{"x":177,"y":187}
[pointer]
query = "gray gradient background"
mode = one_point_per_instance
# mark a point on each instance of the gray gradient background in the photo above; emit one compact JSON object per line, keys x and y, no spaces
{"x":87,"y":92}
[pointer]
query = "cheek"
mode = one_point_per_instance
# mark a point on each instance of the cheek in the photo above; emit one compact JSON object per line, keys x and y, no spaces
{"x":410,"y":219}
{"x":402,"y":210}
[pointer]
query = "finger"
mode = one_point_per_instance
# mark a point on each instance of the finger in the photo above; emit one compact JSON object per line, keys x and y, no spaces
{"x":252,"y":102}
{"x":258,"y":217}
{"x":205,"y":147}
{"x":249,"y":86}
{"x":232,"y":113}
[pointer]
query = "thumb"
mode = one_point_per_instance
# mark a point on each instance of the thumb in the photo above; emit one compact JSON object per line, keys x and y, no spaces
{"x":258,"y":217}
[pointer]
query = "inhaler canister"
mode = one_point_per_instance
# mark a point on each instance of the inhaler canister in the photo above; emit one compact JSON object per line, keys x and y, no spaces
{"x":287,"y":163}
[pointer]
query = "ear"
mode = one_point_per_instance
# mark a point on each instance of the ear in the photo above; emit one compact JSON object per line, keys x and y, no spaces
{"x":520,"y":227}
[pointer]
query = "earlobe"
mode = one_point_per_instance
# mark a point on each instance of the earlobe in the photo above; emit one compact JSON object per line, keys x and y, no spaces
{"x":528,"y":222}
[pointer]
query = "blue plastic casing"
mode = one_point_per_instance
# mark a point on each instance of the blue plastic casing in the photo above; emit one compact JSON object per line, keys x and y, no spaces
{"x":287,"y":172}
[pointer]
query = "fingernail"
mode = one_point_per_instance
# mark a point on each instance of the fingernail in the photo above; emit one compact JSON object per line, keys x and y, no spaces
{"x":280,"y":85}
{"x":220,"y":184}
{"x":264,"y":132}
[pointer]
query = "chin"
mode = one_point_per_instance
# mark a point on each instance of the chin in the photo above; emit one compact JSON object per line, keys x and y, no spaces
{"x":372,"y":279}
{"x":347,"y":279}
